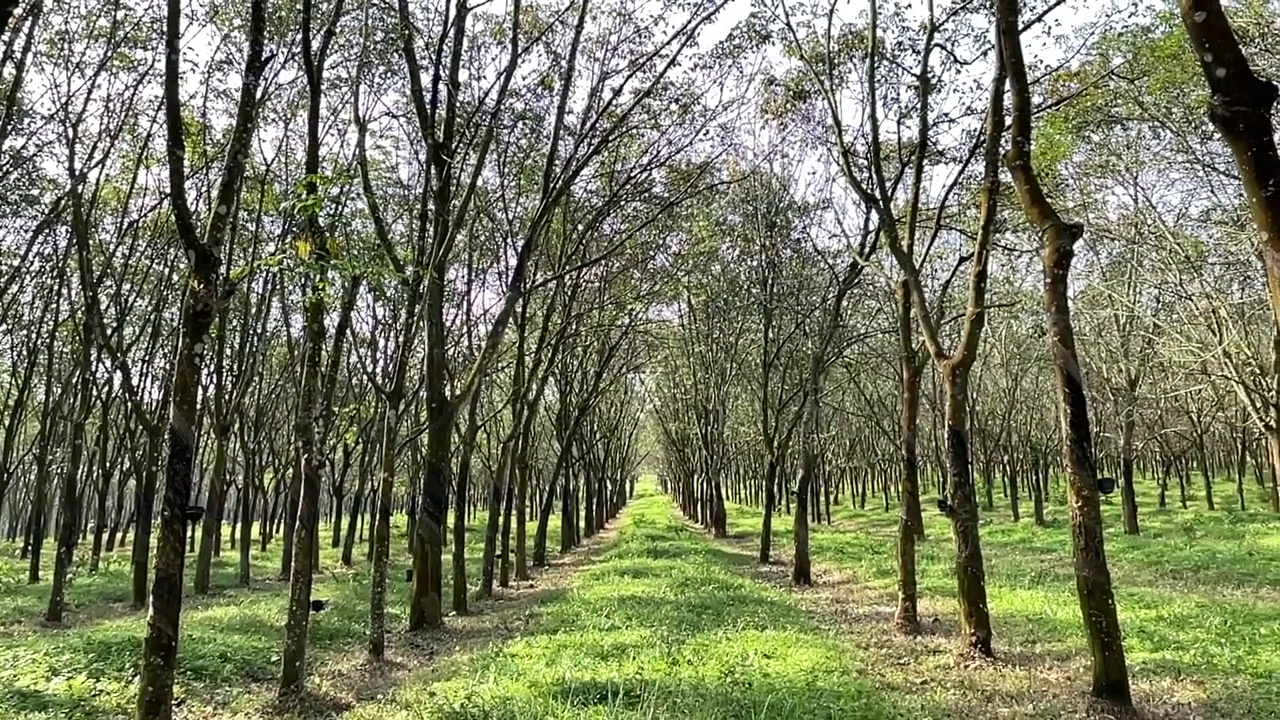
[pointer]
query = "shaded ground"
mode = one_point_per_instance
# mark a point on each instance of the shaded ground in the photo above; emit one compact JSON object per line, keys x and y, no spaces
{"x":667,"y":624}
{"x":1198,"y":594}
{"x":229,"y":651}
{"x":654,"y":619}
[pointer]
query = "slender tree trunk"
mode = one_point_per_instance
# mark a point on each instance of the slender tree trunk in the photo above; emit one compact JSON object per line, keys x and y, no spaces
{"x":357,"y":500}
{"x":1128,"y":495}
{"x":766,"y":525}
{"x":801,"y":570}
{"x":213,"y":510}
{"x":522,"y":495}
{"x":381,"y":532}
{"x":910,"y":523}
{"x":306,"y":533}
{"x":544,"y":519}
{"x":1012,"y":482}
{"x":246,"y":529}
{"x":1093,"y":578}
{"x":292,"y":496}
{"x":460,"y":531}
{"x":104,"y":490}
{"x":504,"y":547}
{"x":962,"y":508}
{"x":143,"y":505}
{"x":69,"y":507}
{"x":1206,"y":475}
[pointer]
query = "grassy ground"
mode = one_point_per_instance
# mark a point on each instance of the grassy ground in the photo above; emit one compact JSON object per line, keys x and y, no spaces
{"x":666,"y":623}
{"x":1198,"y":595}
{"x":229,"y":651}
{"x":653,"y":619}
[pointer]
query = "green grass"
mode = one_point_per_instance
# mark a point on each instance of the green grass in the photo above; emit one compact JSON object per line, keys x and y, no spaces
{"x":665,"y":624}
{"x":230,"y":640}
{"x":1198,"y":592}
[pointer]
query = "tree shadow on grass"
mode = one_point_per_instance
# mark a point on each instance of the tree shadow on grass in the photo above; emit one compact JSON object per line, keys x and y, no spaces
{"x":29,"y":702}
{"x":1040,"y":671}
{"x":350,"y":679}
{"x":665,"y":626}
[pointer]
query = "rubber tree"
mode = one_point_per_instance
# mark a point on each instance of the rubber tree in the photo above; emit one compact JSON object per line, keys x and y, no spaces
{"x":1240,"y":107}
{"x":877,"y":193}
{"x":314,"y":249}
{"x":822,"y":69}
{"x":1058,"y":239}
{"x":203,"y":292}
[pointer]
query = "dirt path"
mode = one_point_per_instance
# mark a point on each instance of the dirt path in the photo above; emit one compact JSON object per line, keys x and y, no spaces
{"x":1026,"y":682}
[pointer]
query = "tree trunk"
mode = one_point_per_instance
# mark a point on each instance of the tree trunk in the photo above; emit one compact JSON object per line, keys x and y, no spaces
{"x":1093,"y":578}
{"x":104,"y":490}
{"x":962,"y":509}
{"x":770,"y":499}
{"x":213,"y":510}
{"x":522,"y":520}
{"x":69,"y":506}
{"x":427,"y":606}
{"x":460,"y":532}
{"x":1240,"y":107}
{"x":291,"y":499}
{"x":504,"y":547}
{"x":801,"y":570}
{"x":160,"y":647}
{"x":1012,"y":474}
{"x":380,"y":534}
{"x":910,"y":523}
{"x":544,"y":519}
{"x":1128,"y":495}
{"x":357,"y":500}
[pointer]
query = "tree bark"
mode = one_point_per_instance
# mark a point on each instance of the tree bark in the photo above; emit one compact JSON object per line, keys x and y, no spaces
{"x":204,"y":292}
{"x":975,"y":619}
{"x":1128,"y":495}
{"x":1093,"y":577}
{"x":1240,"y":107}
{"x":770,"y":500}
{"x":910,"y":523}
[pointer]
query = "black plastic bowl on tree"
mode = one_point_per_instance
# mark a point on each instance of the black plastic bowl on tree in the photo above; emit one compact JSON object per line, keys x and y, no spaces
{"x":1106,"y":485}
